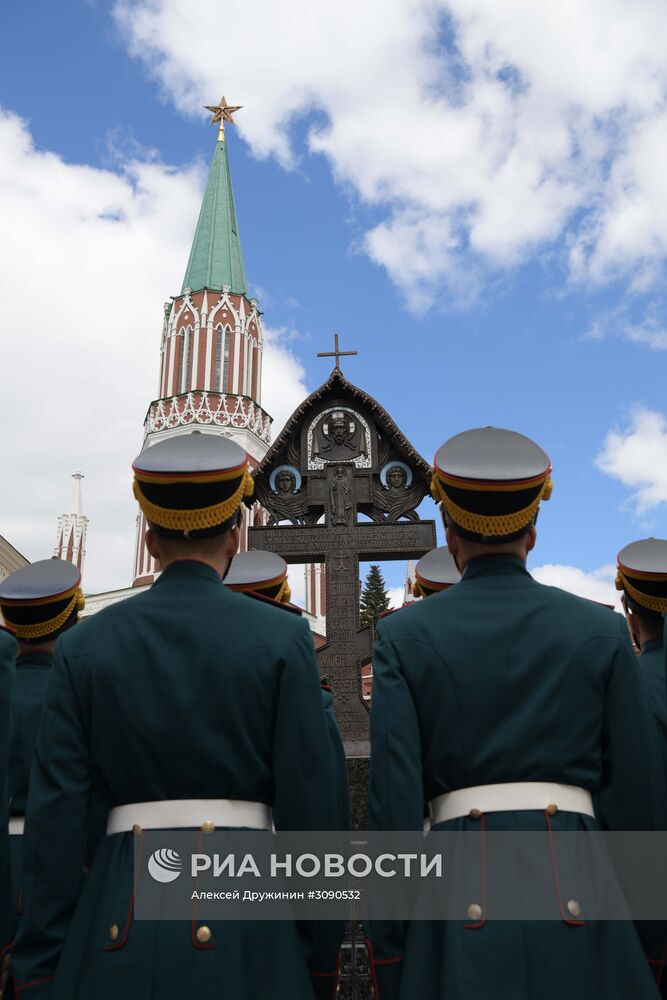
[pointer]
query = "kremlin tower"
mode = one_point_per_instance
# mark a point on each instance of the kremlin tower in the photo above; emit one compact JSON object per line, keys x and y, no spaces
{"x":211,"y":349}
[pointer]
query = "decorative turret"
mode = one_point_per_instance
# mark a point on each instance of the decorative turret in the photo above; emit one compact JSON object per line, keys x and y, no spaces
{"x":72,"y":528}
{"x":408,"y":595}
{"x":212,"y":342}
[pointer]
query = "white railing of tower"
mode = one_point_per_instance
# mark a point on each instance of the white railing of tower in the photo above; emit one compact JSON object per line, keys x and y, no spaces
{"x":212,"y":408}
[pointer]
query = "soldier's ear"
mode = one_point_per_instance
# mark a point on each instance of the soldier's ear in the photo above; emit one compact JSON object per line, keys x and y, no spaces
{"x":152,"y":544}
{"x":233,"y":541}
{"x":531,"y":538}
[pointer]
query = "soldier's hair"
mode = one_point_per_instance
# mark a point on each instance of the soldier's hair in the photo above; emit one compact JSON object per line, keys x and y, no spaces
{"x":639,"y":611}
{"x":471,"y":536}
{"x":193,"y":536}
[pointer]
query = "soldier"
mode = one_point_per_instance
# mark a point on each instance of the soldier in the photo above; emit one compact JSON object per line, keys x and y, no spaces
{"x":508,"y":705}
{"x":185,"y":706}
{"x":39,"y":602}
{"x":434,"y":572}
{"x":642,"y":577}
{"x":263,"y":575}
{"x":7,"y":913}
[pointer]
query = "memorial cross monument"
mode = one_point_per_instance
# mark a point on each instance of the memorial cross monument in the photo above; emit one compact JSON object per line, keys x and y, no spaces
{"x":341,"y":485}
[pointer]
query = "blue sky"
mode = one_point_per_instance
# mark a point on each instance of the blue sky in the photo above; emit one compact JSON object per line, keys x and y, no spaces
{"x":474,"y":203}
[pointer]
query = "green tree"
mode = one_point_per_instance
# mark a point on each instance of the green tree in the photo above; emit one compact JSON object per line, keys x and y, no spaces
{"x":374,"y":597}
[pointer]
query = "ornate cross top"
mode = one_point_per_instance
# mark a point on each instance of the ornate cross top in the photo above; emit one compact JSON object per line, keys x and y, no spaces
{"x":336,"y":353}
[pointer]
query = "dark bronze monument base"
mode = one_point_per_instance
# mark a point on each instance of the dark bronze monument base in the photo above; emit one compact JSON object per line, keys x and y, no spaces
{"x":358,"y":770}
{"x":355,"y":975}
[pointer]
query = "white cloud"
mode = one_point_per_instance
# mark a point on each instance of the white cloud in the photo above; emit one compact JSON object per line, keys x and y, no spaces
{"x":87,"y":258}
{"x":482,"y":130}
{"x":597,"y":585}
{"x":296,"y":576}
{"x":637,"y":456}
{"x":396,"y":595}
{"x":283,"y":377}
{"x":650,"y":332}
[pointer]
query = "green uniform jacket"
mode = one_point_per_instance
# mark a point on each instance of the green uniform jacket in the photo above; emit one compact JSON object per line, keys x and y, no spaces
{"x":501,"y":679}
{"x":651,"y":665}
{"x":7,"y":670}
{"x":31,"y":682}
{"x":338,"y":753}
{"x":188,"y":691}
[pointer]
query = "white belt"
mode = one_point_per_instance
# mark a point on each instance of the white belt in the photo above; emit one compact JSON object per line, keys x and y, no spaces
{"x":174,"y":814}
{"x":509,"y":797}
{"x":16,"y":826}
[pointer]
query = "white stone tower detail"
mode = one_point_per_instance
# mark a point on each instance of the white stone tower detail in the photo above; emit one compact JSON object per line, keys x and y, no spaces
{"x":408,"y":584}
{"x":72,"y":528}
{"x":316,"y":595}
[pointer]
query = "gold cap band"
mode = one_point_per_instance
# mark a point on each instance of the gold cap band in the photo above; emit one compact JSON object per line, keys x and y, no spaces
{"x":200,"y":519}
{"x":283,"y":595}
{"x":649,"y":601}
{"x":39,"y":630}
{"x":424,"y":588}
{"x":490,"y":525}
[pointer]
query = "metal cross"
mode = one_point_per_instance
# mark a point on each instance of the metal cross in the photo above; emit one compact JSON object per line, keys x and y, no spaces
{"x":336,"y":353}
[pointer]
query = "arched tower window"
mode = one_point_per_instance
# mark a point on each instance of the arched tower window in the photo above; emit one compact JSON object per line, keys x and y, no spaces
{"x":255,"y":370}
{"x":185,"y":360}
{"x":248,"y":372}
{"x":217,"y":358}
{"x":225,"y":362}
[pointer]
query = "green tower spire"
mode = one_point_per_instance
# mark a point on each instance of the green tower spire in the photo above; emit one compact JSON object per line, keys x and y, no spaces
{"x":215,"y":257}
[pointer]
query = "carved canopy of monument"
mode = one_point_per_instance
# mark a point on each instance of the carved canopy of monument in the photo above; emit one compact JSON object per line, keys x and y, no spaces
{"x":340,"y":456}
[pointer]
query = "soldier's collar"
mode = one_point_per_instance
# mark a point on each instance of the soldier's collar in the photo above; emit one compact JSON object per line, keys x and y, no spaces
{"x":651,"y":644}
{"x":495,"y":565}
{"x":188,"y":567}
{"x":34,"y":660}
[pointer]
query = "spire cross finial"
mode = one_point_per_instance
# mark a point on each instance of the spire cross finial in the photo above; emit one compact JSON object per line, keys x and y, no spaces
{"x":222,"y":113}
{"x":336,"y":353}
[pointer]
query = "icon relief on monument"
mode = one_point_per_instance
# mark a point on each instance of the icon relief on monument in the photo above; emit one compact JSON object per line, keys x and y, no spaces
{"x":341,"y":507}
{"x":398,"y":496}
{"x":339,"y":435}
{"x":285,"y":499}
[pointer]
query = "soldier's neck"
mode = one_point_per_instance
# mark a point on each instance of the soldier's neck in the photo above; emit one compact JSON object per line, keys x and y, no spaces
{"x":27,"y":648}
{"x":216,"y":552}
{"x":649,"y":630}
{"x":220,"y":563}
{"x":464,"y":549}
